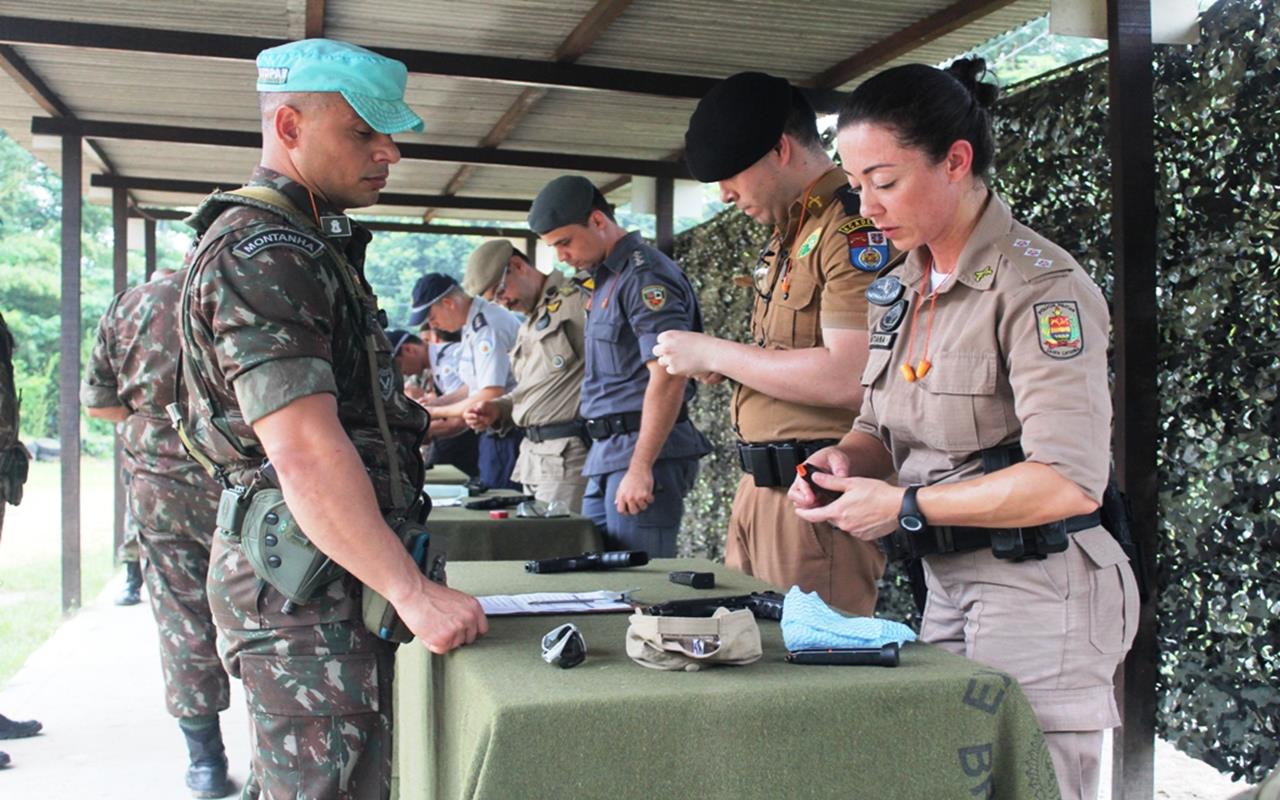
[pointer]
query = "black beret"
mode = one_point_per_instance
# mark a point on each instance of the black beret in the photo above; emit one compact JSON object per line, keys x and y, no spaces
{"x":567,"y":200}
{"x":736,"y":124}
{"x":426,"y":292}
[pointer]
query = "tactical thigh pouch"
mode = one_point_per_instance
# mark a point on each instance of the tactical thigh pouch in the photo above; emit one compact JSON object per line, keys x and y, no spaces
{"x":280,"y":553}
{"x":380,"y":617}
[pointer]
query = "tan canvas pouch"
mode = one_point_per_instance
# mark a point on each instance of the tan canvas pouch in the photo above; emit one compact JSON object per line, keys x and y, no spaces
{"x":688,"y":643}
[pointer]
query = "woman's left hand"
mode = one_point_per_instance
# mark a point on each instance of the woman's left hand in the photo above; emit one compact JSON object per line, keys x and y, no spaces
{"x":866,"y":509}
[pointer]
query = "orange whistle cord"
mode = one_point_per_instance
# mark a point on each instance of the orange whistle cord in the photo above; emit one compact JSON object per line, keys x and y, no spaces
{"x":314,"y":210}
{"x":804,"y":212}
{"x":909,"y":373}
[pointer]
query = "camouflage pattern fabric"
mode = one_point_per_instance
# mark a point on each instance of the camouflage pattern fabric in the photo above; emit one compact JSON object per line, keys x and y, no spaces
{"x":172,"y":502}
{"x":272,"y":322}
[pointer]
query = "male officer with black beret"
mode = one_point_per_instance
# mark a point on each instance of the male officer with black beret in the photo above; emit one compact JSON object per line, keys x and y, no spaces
{"x":797,"y":380}
{"x":645,"y":452}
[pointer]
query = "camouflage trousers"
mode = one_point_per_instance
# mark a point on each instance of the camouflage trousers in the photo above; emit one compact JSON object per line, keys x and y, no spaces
{"x":317,"y":683}
{"x":171,"y":522}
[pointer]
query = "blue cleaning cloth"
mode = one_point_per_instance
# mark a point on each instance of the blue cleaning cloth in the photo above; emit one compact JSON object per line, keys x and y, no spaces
{"x":808,"y":623}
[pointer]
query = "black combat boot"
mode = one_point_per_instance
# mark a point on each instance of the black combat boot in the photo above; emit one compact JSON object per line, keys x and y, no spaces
{"x":130,"y":595}
{"x":15,"y":729}
{"x":207,"y":775}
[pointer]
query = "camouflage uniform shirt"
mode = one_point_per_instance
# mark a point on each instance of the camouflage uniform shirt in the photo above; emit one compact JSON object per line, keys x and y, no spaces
{"x":273,"y":321}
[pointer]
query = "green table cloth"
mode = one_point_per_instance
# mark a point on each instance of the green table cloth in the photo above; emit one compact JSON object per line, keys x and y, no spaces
{"x":473,"y":536}
{"x":447,"y":474}
{"x":492,"y":720}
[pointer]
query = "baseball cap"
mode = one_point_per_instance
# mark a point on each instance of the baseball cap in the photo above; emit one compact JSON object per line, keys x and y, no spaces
{"x":372,"y":84}
{"x":426,"y":292}
{"x":399,"y":338}
{"x":485,"y":266}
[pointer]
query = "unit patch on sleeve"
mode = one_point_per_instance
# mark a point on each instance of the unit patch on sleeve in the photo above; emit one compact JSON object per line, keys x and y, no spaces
{"x":654,"y":296}
{"x":868,"y":247}
{"x":1058,"y":329}
{"x":278,"y":237}
{"x":809,"y":244}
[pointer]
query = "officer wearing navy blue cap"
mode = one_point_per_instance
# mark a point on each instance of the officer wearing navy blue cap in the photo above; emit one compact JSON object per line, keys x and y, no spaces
{"x":645,"y":452}
{"x":488,"y":334}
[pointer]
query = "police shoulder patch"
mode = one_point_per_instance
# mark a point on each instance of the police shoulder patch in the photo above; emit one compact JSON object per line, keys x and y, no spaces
{"x":278,"y":237}
{"x":484,"y":347}
{"x":1058,"y":329}
{"x":868,"y":246}
{"x":479,"y":322}
{"x":654,"y":296}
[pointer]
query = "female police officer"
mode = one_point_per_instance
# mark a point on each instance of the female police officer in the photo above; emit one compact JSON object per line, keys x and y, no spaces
{"x":986,"y":390}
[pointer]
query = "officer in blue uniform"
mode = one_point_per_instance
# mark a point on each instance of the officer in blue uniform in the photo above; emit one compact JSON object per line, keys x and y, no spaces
{"x":645,"y":451}
{"x":484,"y":364}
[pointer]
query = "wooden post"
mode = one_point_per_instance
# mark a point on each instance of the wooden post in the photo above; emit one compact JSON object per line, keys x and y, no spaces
{"x":1133,"y":225}
{"x":531,"y":250}
{"x":665,"y":209}
{"x":149,"y":246}
{"x":69,"y":372}
{"x":120,"y":282}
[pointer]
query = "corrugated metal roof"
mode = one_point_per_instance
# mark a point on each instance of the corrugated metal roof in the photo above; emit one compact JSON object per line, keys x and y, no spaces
{"x":695,"y":37}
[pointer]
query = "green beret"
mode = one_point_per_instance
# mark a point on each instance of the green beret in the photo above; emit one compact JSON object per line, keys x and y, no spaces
{"x":567,"y":200}
{"x":736,"y":123}
{"x":485,"y":266}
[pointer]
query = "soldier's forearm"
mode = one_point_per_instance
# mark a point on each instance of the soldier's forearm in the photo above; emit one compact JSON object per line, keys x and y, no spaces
{"x":817,"y":376}
{"x":1018,"y":496}
{"x":662,"y":400}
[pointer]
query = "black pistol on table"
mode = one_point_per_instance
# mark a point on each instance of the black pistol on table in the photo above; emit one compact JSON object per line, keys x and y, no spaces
{"x":614,"y":559}
{"x":764,"y":605}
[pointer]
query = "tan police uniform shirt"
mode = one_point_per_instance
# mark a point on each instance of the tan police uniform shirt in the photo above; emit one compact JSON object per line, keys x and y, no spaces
{"x":833,"y":255}
{"x":547,"y":362}
{"x":1019,"y":353}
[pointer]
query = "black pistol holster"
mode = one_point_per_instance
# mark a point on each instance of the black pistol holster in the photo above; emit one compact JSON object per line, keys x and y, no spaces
{"x":1013,"y":544}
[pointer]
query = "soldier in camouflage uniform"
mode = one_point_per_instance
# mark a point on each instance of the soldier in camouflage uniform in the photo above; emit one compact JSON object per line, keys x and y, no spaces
{"x":131,"y":379}
{"x":13,"y":474}
{"x":284,"y":358}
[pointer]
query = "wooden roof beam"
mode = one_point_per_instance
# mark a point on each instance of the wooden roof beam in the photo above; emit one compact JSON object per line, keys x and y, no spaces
{"x":63,"y":33}
{"x":412,"y":151}
{"x":384,"y":199}
{"x":579,"y":40}
{"x":934,"y":26}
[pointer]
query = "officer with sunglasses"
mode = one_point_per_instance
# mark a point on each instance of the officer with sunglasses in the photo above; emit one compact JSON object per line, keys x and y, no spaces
{"x":797,"y":389}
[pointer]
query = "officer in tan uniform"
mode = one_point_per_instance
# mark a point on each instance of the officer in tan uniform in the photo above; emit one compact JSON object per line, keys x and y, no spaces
{"x":548,"y":366}
{"x":986,"y":390}
{"x":758,"y":138}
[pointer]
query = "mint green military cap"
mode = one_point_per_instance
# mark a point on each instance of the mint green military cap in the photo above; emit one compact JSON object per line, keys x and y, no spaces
{"x":372,"y":84}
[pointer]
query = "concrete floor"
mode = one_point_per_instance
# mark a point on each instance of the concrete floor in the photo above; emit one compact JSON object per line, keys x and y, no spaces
{"x":97,"y":688}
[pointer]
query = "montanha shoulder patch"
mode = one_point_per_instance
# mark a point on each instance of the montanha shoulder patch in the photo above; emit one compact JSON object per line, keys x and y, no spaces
{"x":278,"y":237}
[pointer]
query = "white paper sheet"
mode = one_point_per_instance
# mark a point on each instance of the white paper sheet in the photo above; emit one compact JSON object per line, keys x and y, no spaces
{"x":498,"y":605}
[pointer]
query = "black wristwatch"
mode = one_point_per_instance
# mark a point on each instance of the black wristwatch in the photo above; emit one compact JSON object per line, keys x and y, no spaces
{"x":910,"y":518}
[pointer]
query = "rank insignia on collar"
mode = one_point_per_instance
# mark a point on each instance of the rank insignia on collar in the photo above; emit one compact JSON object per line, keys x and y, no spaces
{"x":654,"y":296}
{"x":815,"y":203}
{"x":809,"y":244}
{"x":1058,"y":329}
{"x":336,"y":227}
{"x":478,"y":323}
{"x":553,"y":306}
{"x":982,"y":274}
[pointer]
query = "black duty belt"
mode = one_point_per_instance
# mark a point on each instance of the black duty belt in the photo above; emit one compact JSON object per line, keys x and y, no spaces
{"x":774,"y":463}
{"x":556,"y":430}
{"x":1015,"y":544}
{"x":618,"y":424}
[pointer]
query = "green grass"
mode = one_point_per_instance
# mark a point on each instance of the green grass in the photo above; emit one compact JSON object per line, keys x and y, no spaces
{"x":31,"y":557}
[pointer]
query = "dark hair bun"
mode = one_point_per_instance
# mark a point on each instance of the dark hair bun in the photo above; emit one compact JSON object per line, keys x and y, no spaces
{"x":970,"y":71}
